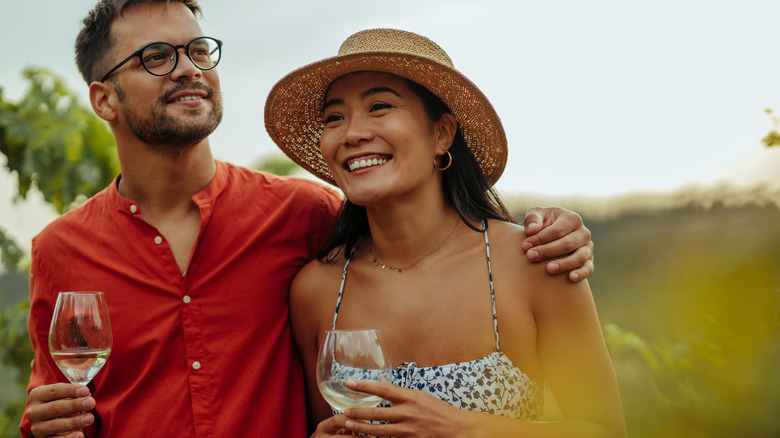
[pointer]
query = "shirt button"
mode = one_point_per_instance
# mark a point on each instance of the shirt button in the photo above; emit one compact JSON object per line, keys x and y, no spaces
{"x":133,"y":208}
{"x":158,"y":240}
{"x":196,"y":365}
{"x":187,"y":299}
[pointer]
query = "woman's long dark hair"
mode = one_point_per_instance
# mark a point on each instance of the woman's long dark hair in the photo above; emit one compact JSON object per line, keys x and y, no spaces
{"x":466,"y":189}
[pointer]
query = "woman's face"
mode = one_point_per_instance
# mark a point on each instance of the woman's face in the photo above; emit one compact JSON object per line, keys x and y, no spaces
{"x":378,"y":140}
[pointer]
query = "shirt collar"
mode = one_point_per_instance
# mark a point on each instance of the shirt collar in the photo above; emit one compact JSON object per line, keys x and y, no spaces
{"x":204,"y":197}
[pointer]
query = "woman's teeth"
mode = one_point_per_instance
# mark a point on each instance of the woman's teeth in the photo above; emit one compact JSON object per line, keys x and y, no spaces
{"x":360,"y":164}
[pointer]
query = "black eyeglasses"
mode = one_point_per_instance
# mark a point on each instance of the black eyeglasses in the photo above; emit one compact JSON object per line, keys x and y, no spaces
{"x":161,"y":58}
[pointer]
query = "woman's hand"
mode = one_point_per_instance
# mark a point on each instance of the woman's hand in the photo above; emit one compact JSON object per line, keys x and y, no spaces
{"x":332,"y":426}
{"x":413,"y":414}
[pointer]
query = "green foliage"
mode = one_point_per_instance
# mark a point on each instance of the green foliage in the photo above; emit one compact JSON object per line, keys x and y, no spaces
{"x":690,"y":301}
{"x":16,"y":356}
{"x":55,"y":144}
{"x":15,"y":348}
{"x":10,"y":253}
{"x":10,"y":417}
{"x":773,"y":137}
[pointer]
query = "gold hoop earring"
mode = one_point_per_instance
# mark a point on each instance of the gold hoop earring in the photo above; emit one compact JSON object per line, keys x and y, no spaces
{"x":449,"y":163}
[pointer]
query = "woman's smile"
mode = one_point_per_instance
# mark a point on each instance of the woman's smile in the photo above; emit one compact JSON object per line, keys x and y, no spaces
{"x":366,"y":161}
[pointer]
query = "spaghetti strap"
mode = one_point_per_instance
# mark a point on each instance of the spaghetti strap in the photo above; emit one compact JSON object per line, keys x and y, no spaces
{"x":490,"y":277}
{"x":341,"y":291}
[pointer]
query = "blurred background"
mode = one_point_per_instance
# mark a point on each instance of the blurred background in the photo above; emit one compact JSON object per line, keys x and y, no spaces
{"x":654,"y":121}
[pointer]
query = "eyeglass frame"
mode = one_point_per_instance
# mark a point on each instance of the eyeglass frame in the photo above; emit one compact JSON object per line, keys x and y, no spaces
{"x":176,"y":48}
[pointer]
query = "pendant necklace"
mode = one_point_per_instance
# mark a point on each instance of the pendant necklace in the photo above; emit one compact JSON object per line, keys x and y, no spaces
{"x":381,"y":265}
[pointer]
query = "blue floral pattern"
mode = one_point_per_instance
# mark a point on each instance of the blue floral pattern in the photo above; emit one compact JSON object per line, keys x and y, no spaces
{"x":491,"y":384}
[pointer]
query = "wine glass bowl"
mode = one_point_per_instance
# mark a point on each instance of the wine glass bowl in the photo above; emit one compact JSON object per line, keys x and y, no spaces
{"x":351,"y":354}
{"x":80,"y":338}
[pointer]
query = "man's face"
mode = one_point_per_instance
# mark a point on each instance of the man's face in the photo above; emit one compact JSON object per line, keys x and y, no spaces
{"x":169,"y":112}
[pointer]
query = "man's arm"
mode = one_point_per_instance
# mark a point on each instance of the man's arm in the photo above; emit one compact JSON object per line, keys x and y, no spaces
{"x":555,"y":232}
{"x":53,"y":408}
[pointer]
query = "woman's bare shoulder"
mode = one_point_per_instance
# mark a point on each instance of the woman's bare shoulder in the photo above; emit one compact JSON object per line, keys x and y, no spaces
{"x":507,"y":255}
{"x":318,"y":268}
{"x":506,"y":240}
{"x":315,"y":280}
{"x":505,"y":229}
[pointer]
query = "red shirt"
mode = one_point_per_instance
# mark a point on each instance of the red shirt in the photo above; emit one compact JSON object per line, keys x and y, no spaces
{"x":206,"y":354}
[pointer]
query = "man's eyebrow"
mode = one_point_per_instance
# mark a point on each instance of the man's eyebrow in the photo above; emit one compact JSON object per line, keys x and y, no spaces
{"x":363,"y":95}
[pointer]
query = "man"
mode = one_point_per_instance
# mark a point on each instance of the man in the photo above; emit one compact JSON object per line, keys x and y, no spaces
{"x":195,"y":256}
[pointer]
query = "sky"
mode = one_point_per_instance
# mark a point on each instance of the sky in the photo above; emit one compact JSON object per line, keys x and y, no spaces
{"x":597,"y":98}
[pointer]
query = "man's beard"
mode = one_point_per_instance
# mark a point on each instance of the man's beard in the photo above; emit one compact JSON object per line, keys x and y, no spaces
{"x":168,"y":134}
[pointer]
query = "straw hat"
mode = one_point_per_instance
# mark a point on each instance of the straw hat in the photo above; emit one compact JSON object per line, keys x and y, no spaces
{"x":293,"y":110}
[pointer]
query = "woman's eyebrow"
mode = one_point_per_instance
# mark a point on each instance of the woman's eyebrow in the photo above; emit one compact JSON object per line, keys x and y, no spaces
{"x":377,"y":90}
{"x":332,"y":102}
{"x":363,"y":95}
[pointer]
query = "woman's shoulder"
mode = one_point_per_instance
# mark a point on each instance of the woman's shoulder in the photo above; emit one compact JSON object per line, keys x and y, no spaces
{"x":317,"y":280}
{"x":506,"y":242}
{"x":511,"y":262}
{"x":507,"y":230}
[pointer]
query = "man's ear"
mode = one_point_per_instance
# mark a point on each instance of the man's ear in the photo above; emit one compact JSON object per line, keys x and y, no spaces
{"x":104,"y":100}
{"x":446,"y":129}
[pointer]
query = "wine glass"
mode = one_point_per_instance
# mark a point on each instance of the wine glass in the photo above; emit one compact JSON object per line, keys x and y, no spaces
{"x":80,"y":335}
{"x":351,"y":354}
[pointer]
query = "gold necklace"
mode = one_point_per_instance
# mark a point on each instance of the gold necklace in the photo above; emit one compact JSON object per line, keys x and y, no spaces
{"x":381,"y":265}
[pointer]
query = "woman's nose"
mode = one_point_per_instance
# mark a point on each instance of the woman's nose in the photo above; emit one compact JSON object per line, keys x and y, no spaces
{"x":358,"y":131}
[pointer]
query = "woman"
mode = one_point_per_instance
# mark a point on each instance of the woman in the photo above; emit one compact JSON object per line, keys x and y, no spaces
{"x":426,"y":252}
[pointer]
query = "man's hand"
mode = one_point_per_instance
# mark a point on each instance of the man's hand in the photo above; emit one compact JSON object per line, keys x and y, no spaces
{"x":555,"y":232}
{"x":60,"y":410}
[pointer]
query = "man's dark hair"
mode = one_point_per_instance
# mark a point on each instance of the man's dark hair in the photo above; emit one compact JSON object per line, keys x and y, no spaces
{"x":94,"y":41}
{"x":465,"y":187}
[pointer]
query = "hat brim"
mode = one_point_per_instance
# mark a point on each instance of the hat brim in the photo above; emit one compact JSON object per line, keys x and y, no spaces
{"x":293,"y":110}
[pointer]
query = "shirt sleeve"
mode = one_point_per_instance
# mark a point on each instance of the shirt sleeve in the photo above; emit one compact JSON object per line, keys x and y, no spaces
{"x":44,"y":371}
{"x":329,"y":205}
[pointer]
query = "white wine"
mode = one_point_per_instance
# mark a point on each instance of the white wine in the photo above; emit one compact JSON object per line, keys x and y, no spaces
{"x":340,"y":397}
{"x":80,"y":366}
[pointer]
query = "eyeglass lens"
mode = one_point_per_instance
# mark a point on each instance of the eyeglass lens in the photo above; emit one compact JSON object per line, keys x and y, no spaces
{"x":160,"y":58}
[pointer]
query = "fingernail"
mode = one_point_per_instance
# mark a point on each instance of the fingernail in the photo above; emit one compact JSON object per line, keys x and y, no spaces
{"x":349,"y":424}
{"x":533,"y":226}
{"x":347,"y":412}
{"x":534,"y":255}
{"x":574,"y":276}
{"x":527,"y":245}
{"x":82,"y":392}
{"x":86,"y":419}
{"x":554,"y":268}
{"x":351,"y":383}
{"x":88,"y":403}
